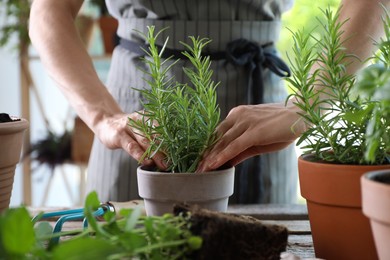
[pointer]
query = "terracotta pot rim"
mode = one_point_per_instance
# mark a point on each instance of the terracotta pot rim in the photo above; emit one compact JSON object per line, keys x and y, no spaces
{"x":333,"y":184}
{"x":305,"y":158}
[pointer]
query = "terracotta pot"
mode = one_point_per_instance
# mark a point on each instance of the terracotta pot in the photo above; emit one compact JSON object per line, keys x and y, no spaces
{"x":108,"y":26}
{"x":333,"y":194}
{"x":81,"y":143}
{"x":376,"y":206}
{"x":160,"y":191}
{"x":11,"y":141}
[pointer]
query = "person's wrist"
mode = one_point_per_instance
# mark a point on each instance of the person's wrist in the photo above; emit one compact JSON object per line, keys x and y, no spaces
{"x":299,"y":126}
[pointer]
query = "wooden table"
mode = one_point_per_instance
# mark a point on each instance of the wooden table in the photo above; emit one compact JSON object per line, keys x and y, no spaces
{"x":294,"y":217}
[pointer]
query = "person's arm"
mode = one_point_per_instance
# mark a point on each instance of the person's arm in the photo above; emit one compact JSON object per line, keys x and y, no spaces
{"x":255,"y":129}
{"x":54,"y":35}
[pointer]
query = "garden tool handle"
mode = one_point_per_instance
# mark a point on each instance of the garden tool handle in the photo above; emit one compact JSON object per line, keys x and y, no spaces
{"x":132,"y":204}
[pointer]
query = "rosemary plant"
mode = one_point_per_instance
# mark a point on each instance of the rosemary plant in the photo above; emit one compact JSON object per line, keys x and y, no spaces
{"x":337,"y":119}
{"x":179,"y":119}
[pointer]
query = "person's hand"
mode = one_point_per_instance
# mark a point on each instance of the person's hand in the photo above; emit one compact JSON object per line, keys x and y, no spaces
{"x":251,"y":130}
{"x":115,"y":133}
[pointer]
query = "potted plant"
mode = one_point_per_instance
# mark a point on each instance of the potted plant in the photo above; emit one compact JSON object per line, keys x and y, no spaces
{"x":376,"y":185}
{"x":179,"y":121}
{"x":333,"y":159}
{"x":11,"y":140}
{"x":108,"y":26}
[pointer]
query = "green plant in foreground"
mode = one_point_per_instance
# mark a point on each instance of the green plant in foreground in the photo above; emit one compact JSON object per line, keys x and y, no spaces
{"x":337,"y":119}
{"x":179,"y":119}
{"x":374,"y":84}
{"x":131,"y":237}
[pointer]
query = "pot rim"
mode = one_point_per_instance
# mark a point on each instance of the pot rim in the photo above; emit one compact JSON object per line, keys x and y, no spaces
{"x":15,"y":126}
{"x":372,"y":176}
{"x":305,"y":158}
{"x":153,"y":172}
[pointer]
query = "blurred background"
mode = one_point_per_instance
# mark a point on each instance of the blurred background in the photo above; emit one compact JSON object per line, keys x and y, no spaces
{"x":42,"y":181}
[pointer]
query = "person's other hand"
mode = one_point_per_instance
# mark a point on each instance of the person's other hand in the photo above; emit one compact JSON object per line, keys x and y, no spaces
{"x":115,"y":133}
{"x":251,"y":130}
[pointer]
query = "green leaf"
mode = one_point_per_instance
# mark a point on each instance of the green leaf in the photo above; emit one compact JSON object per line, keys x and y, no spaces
{"x":43,"y":229}
{"x":358,"y":117}
{"x":84,"y":249}
{"x":132,"y":219}
{"x":17,"y":232}
{"x":195,"y":242}
{"x":92,"y":203}
{"x":132,"y":241}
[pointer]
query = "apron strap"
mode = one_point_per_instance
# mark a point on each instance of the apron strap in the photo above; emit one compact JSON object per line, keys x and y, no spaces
{"x":239,"y":52}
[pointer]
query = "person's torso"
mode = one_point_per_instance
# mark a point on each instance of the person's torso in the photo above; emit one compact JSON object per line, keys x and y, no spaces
{"x":219,"y":20}
{"x":190,"y":10}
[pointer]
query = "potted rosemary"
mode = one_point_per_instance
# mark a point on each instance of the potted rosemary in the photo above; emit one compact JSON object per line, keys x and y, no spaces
{"x":375,"y":185}
{"x":335,"y":142}
{"x":179,"y":121}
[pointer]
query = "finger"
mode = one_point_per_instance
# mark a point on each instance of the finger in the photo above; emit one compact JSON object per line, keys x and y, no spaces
{"x":217,"y":158}
{"x":225,"y":125}
{"x":257,"y":150}
{"x":230,"y":135}
{"x":218,"y":148}
{"x":158,"y":159}
{"x":132,"y":147}
{"x":234,"y":158}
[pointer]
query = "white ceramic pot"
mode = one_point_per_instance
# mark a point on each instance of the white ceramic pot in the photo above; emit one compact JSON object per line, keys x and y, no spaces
{"x":160,"y":191}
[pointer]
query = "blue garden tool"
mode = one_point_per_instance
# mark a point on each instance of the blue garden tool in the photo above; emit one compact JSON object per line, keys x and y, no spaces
{"x":78,"y":214}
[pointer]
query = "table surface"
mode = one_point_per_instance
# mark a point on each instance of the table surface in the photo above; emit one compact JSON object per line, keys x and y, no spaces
{"x":292,"y":216}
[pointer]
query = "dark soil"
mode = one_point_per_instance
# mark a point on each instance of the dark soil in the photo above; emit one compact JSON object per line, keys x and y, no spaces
{"x":5,"y":118}
{"x":228,"y":236}
{"x":383,"y":177}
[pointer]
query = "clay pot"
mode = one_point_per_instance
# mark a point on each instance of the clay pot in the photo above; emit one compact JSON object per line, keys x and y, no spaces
{"x":11,"y":141}
{"x":108,"y":26}
{"x":160,"y":191}
{"x":376,"y":206}
{"x":81,"y":142}
{"x":333,"y":194}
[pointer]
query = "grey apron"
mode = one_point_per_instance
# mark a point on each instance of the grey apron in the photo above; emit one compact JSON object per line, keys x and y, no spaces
{"x":269,"y":178}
